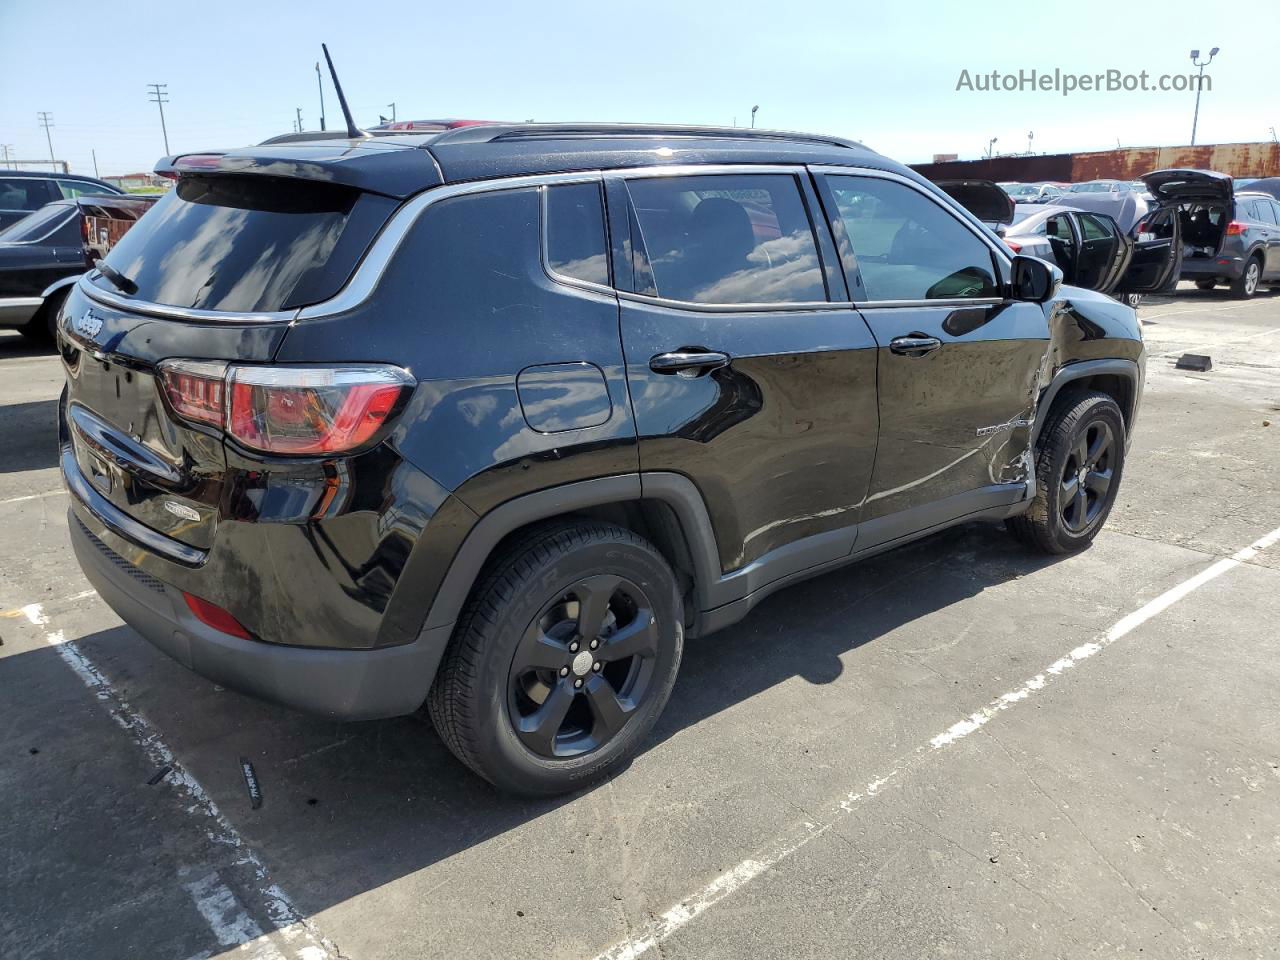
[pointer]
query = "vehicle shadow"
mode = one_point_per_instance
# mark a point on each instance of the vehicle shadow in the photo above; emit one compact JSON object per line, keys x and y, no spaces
{"x":28,"y":436}
{"x":14,"y":345}
{"x":350,"y":807}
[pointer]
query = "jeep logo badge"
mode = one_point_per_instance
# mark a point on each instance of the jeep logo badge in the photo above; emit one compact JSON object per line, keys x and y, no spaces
{"x":87,"y":325}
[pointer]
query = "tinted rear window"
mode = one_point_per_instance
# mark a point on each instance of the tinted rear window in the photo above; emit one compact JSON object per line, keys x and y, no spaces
{"x":236,"y":244}
{"x":38,"y":225}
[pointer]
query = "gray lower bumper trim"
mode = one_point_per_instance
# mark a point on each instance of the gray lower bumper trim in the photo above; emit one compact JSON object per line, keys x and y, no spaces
{"x":340,"y":684}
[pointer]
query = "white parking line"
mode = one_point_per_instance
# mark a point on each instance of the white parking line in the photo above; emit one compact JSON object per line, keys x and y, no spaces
{"x":663,"y":926}
{"x":34,"y":496}
{"x":305,"y":940}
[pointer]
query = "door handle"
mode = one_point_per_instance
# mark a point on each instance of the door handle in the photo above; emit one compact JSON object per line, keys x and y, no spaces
{"x":688,"y":363}
{"x":914,"y":346}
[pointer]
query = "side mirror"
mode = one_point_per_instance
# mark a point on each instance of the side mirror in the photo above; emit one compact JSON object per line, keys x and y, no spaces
{"x":1034,"y":280}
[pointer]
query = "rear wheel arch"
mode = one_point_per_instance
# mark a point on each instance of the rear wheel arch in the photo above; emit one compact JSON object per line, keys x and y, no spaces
{"x":665,"y":509}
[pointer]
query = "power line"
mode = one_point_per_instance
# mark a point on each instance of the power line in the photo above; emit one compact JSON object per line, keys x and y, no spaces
{"x":160,"y":96}
{"x":46,"y":121}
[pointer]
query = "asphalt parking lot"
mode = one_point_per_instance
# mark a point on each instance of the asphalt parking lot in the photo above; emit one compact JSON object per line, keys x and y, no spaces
{"x":960,"y":749}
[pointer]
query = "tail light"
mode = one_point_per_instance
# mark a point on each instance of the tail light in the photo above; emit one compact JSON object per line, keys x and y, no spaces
{"x":1235,"y":228}
{"x":300,"y":411}
{"x":1013,"y":245}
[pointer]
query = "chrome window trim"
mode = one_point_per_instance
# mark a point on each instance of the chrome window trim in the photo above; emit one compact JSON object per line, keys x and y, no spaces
{"x":545,"y":244}
{"x":378,"y":257}
{"x":949,"y":302}
{"x":108,"y":299}
{"x":21,"y":301}
{"x":796,"y":306}
{"x":374,"y":264}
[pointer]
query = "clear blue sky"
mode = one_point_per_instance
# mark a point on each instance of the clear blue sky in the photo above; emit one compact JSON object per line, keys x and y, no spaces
{"x":884,"y":73}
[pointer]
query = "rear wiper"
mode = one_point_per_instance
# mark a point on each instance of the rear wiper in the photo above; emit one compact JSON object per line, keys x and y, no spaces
{"x":118,"y":279}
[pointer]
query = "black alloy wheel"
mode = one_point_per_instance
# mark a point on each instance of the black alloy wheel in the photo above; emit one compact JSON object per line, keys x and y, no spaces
{"x":583,"y":667}
{"x":1078,"y":466}
{"x":563,"y":658}
{"x":1086,"y":476}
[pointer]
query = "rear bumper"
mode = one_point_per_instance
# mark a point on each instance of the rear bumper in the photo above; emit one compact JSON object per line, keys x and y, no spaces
{"x":340,"y":684}
{"x":1202,"y":268}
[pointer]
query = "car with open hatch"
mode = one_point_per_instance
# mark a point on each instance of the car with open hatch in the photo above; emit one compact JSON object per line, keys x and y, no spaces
{"x":494,"y":419}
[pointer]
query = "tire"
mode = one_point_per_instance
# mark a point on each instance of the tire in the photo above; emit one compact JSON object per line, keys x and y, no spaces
{"x":1246,"y":285}
{"x":1206,"y":284}
{"x":1082,"y":429}
{"x":519,"y":698}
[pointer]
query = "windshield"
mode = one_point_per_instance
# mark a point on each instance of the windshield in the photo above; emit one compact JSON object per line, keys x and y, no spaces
{"x":239,"y":244}
{"x":1021,"y":190}
{"x":1019,"y":215}
{"x":38,"y":225}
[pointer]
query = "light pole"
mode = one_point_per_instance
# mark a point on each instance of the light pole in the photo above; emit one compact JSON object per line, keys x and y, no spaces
{"x":991,"y":144}
{"x":1031,"y":135}
{"x":1195,"y":60}
{"x":320,"y":85}
{"x":753,"y":115}
{"x":159,"y":95}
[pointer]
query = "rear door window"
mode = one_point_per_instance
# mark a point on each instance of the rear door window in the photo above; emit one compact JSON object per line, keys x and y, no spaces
{"x":907,"y":246}
{"x":726,"y":239}
{"x":239,"y":244}
{"x":575,"y":245}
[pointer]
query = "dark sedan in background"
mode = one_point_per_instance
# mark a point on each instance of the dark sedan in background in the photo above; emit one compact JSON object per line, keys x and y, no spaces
{"x":42,"y":254}
{"x":23,"y":192}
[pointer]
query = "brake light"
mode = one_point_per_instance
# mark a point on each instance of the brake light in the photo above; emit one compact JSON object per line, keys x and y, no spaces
{"x":212,"y":615}
{"x":1235,"y":228}
{"x":1013,"y":245}
{"x":300,"y":411}
{"x":195,"y":389}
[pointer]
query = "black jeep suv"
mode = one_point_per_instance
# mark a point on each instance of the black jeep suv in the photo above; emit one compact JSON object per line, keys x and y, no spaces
{"x":495,"y":418}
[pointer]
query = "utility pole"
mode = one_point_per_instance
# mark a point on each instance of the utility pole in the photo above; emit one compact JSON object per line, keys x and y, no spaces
{"x":160,"y":96}
{"x":1195,"y":61}
{"x":320,"y":84}
{"x":299,"y":112}
{"x":392,"y":105}
{"x":46,"y":121}
{"x":5,"y":147}
{"x":753,"y":115}
{"x":95,"y":163}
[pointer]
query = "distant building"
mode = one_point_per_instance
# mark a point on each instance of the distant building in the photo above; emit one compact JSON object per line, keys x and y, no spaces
{"x":139,"y":181}
{"x":945,"y":157}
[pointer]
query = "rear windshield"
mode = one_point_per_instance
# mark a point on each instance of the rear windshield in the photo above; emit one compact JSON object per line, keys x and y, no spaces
{"x":239,"y":244}
{"x":37,"y":225}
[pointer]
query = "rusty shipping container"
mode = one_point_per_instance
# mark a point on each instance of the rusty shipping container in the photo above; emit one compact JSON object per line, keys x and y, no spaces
{"x":1235,"y":159}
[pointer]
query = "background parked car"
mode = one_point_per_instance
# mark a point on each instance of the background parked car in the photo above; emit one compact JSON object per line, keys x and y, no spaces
{"x":23,"y":192}
{"x":1227,"y":237}
{"x":1031,"y":192}
{"x":1100,"y":186}
{"x":1268,"y":185}
{"x":1092,"y":250}
{"x":42,"y":254}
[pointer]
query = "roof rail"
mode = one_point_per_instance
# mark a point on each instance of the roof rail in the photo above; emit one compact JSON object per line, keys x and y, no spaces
{"x":490,"y":132}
